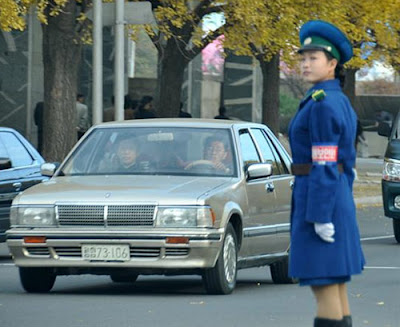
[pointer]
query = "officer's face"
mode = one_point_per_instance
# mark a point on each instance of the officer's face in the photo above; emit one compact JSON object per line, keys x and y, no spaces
{"x":315,"y":67}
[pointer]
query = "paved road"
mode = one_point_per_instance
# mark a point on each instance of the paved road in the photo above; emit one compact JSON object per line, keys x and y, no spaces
{"x":94,"y":301}
{"x":372,"y":165}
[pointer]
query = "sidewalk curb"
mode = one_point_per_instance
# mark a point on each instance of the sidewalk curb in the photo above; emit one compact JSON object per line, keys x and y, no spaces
{"x":368,"y":201}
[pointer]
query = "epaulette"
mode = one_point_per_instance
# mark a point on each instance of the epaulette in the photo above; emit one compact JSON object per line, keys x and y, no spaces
{"x":318,"y":95}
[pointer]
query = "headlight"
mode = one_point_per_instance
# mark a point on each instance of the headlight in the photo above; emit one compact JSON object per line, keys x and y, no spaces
{"x":32,"y":216}
{"x":185,"y":217}
{"x":391,"y":171}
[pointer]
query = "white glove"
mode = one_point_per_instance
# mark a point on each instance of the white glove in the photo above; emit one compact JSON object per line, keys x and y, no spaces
{"x":325,"y":231}
{"x":355,"y":174}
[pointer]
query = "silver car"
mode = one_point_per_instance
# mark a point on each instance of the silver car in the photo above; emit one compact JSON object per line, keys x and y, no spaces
{"x":158,"y":196}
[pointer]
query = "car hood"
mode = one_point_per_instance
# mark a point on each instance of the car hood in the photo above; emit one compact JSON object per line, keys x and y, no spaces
{"x":110,"y":189}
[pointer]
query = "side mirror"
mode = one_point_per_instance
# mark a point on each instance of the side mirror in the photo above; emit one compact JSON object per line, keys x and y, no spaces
{"x":384,"y":129}
{"x":259,"y":170}
{"x":5,"y":163}
{"x":49,"y":168}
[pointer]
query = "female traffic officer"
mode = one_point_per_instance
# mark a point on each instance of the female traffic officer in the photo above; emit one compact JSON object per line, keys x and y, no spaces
{"x":325,"y":241}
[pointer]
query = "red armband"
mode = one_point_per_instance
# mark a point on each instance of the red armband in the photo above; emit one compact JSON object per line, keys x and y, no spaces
{"x":323,"y":153}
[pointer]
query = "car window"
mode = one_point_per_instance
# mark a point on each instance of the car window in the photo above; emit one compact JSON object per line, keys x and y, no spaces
{"x":154,"y":151}
{"x":3,"y":150}
{"x":267,"y":151}
{"x":13,"y":148}
{"x":249,"y":150}
{"x":281,"y":151}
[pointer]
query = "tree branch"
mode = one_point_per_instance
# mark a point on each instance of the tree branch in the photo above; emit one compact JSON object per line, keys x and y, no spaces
{"x":156,"y":39}
{"x":191,"y":53}
{"x":258,"y":54}
{"x":205,"y":8}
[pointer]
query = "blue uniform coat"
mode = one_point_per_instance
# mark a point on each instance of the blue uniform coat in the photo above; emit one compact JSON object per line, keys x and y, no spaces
{"x":325,"y":195}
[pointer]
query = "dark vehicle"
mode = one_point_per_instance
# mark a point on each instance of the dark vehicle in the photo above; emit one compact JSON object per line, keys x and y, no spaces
{"x":19,"y":169}
{"x":391,"y":173}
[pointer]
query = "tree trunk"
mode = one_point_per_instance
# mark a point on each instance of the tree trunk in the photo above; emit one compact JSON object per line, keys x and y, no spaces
{"x":61,"y":58}
{"x":171,"y":68}
{"x":270,"y":94}
{"x":349,"y":87}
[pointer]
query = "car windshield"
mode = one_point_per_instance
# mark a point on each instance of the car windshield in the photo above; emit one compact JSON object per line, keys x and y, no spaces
{"x":153,"y":151}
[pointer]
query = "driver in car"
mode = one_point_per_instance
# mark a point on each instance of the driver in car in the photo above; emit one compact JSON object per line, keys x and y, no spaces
{"x":216,"y":155}
{"x":216,"y":152}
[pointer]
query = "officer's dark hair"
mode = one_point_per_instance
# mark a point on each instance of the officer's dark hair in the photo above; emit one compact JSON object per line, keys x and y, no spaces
{"x":339,"y":70}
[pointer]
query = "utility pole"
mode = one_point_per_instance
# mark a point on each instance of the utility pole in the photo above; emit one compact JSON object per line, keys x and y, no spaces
{"x":108,"y":14}
{"x":97,"y":62}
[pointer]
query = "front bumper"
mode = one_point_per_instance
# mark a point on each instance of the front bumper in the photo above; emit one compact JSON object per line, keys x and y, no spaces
{"x":148,"y":250}
{"x":389,"y":191}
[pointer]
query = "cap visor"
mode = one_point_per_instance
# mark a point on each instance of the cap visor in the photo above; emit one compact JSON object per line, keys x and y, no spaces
{"x":310,"y":47}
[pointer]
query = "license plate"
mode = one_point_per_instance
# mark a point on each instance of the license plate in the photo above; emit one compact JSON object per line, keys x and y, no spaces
{"x":106,"y":252}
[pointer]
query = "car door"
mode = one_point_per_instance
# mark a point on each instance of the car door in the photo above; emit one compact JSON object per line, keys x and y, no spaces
{"x":272,"y":151}
{"x":24,"y":172}
{"x":260,"y":227}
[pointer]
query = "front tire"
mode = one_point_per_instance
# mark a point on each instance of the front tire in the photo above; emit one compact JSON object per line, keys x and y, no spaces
{"x":37,"y":280}
{"x":221,"y":279}
{"x":396,"y":229}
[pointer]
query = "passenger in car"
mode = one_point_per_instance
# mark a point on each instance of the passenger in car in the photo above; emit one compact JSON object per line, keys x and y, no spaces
{"x":124,"y":158}
{"x":127,"y":154}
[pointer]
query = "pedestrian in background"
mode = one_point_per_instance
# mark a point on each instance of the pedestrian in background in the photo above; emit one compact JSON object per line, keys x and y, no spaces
{"x":182,"y":113}
{"x":82,"y":115}
{"x":129,"y":107}
{"x":145,"y":109}
{"x":108,"y":114}
{"x":38,"y":117}
{"x":222,"y":113}
{"x":325,"y":242}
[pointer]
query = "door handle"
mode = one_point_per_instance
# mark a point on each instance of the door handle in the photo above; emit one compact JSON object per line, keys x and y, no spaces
{"x":17,"y":186}
{"x":269,"y":187}
{"x":291,"y":184}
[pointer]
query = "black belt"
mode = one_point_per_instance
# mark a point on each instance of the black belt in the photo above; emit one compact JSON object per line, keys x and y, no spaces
{"x":305,"y":169}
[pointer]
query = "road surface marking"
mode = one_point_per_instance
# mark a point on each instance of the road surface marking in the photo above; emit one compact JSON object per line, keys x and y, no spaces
{"x":386,"y":268}
{"x":376,"y":238}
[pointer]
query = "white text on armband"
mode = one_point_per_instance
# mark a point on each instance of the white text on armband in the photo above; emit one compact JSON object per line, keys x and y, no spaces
{"x":324,"y":154}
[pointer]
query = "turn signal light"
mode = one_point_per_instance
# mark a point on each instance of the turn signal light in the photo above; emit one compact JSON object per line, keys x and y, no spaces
{"x":213,"y":216}
{"x":34,"y":239}
{"x":177,"y":240}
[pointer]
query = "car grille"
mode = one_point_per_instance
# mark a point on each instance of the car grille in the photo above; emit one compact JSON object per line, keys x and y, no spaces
{"x":38,"y":251}
{"x":100,"y":215}
{"x":176,"y":252}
